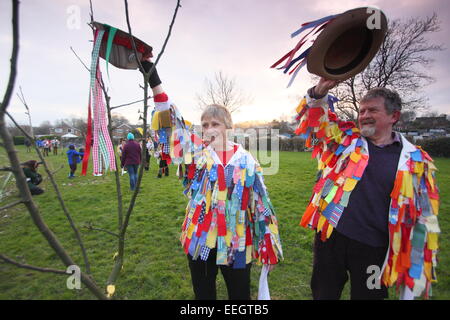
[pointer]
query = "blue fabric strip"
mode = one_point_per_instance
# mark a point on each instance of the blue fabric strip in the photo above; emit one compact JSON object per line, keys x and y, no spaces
{"x":301,"y":56}
{"x":331,"y":101}
{"x":295,"y":73}
{"x":239,"y":260}
{"x":312,"y":25}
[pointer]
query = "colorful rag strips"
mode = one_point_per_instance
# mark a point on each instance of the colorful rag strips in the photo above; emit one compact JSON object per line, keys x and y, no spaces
{"x":102,"y":149}
{"x":175,"y":135}
{"x":229,"y":209}
{"x":317,"y":26}
{"x":342,"y":155}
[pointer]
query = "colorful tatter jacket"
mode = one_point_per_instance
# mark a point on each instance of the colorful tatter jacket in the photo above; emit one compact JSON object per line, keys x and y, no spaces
{"x":342,"y":155}
{"x":229,"y":206}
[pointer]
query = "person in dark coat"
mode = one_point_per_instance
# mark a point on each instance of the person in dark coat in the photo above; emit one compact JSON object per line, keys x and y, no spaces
{"x":33,"y":177}
{"x":28,"y":145}
{"x":131,"y":159}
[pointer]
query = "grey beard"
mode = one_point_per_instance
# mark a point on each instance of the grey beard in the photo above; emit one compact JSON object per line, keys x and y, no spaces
{"x":367,"y":131}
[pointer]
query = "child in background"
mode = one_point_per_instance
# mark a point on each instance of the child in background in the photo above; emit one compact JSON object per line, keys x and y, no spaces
{"x":163,"y":167}
{"x":73,"y":157}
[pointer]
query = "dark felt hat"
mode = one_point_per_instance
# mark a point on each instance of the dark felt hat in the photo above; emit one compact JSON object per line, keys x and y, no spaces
{"x":121,"y":52}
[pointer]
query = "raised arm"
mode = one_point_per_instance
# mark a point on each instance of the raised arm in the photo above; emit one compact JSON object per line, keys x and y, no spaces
{"x":173,"y":134}
{"x":318,"y":124}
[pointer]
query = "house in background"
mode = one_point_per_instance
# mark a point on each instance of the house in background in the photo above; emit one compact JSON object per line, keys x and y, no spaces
{"x":426,"y":128}
{"x":63,"y":129}
{"x":121,"y":131}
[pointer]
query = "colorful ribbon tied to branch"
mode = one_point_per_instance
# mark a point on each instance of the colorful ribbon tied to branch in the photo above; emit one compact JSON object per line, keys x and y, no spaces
{"x":102,"y":147}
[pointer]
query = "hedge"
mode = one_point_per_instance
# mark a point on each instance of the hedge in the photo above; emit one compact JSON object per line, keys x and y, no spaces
{"x":19,"y":140}
{"x":438,"y":147}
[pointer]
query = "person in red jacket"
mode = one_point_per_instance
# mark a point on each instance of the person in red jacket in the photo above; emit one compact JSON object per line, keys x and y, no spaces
{"x":131,"y":158}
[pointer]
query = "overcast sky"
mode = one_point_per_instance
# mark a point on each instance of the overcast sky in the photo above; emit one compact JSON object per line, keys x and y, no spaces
{"x":241,"y":38}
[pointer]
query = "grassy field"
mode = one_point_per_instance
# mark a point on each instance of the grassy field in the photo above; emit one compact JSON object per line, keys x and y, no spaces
{"x":155,"y":266}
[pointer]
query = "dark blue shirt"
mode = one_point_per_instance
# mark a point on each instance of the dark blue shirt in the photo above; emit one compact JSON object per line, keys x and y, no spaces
{"x":365,"y":219}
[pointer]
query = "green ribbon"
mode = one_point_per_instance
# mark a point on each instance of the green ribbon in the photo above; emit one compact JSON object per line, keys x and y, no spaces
{"x":111,"y":33}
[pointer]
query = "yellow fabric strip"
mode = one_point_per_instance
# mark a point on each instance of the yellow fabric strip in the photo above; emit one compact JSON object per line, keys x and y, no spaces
{"x":155,"y":121}
{"x":394,"y":273}
{"x":329,"y":231}
{"x":222,"y":195}
{"x":355,"y":157}
{"x":349,"y":184}
{"x":208,"y":201}
{"x":435,"y":206}
{"x":228,"y":238}
{"x":211,"y":238}
{"x":249,"y":254}
{"x":190,"y":230}
{"x":407,"y":185}
{"x":240,"y":230}
{"x":273,"y":228}
{"x":321,"y":222}
{"x":432,"y":241}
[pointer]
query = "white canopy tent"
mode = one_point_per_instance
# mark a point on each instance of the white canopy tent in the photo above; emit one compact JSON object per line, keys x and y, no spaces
{"x":69,"y":135}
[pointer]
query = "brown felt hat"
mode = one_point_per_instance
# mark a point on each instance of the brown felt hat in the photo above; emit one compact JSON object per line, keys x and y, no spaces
{"x":346,"y":45}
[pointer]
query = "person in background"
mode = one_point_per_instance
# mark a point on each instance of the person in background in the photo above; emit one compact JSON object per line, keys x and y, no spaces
{"x":120,"y":146}
{"x":28,"y":145}
{"x":119,"y":149}
{"x":47,"y":146}
{"x":147,"y":155}
{"x":131,"y":159}
{"x":163,"y":167}
{"x":39,"y":144}
{"x":73,"y":157}
{"x":55,"y":145}
{"x":33,"y":177}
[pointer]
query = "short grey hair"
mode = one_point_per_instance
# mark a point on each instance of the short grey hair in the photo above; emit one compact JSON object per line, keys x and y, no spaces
{"x":392,"y":100}
{"x":218,"y":112}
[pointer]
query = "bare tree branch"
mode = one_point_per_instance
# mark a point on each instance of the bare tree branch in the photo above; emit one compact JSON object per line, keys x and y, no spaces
{"x":18,"y":172}
{"x":29,"y":267}
{"x":90,"y":227}
{"x":79,"y":59}
{"x":223,"y":91}
{"x":130,"y":103}
{"x":15,"y":203}
{"x":14,"y":54}
{"x":400,"y":64}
